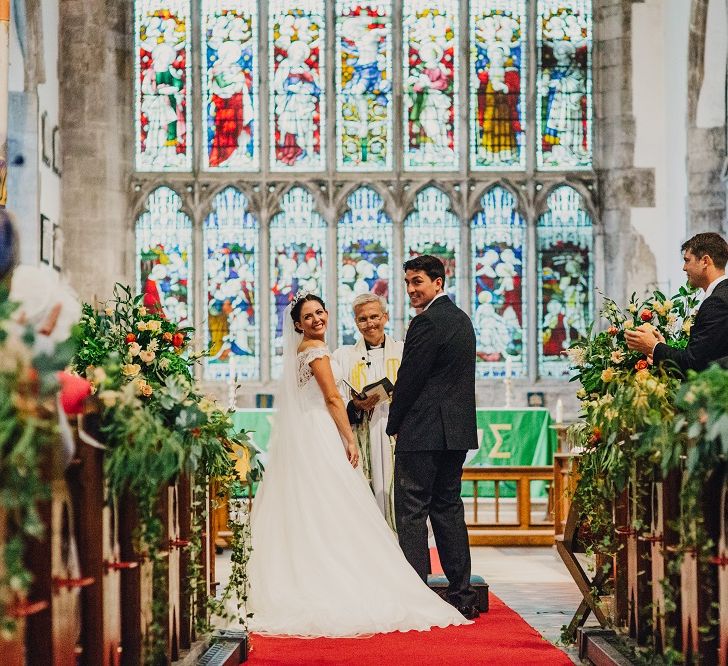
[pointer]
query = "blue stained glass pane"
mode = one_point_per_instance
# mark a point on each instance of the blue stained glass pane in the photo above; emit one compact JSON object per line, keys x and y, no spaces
{"x":432,"y":229}
{"x":565,"y":278}
{"x":564,"y":84}
{"x":498,"y":236}
{"x":230,"y":84}
{"x":232,"y":322}
{"x":364,"y":85}
{"x":297,"y":260}
{"x":365,"y":246}
{"x":498,"y":61}
{"x":162,"y":85}
{"x":164,"y":245}
{"x":430,"y":85}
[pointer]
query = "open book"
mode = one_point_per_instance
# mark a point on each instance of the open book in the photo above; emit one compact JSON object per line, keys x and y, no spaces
{"x":382,"y":389}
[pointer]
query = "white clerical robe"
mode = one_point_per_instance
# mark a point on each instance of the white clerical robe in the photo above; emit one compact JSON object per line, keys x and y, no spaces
{"x":362,"y":367}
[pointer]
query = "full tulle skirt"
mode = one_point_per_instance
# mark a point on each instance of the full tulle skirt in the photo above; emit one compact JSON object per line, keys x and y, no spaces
{"x":324,"y":561}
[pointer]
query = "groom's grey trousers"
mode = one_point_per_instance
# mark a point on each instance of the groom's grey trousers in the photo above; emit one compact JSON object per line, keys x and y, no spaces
{"x":428,"y":483}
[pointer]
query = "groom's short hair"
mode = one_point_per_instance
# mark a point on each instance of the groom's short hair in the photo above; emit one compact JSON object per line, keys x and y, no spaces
{"x":708,"y":243}
{"x":431,"y":266}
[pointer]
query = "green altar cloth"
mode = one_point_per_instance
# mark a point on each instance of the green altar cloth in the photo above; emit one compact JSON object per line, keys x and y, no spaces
{"x":506,"y":437}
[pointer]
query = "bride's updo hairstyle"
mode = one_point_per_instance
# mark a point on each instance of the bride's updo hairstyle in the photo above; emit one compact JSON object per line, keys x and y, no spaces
{"x":298,"y":304}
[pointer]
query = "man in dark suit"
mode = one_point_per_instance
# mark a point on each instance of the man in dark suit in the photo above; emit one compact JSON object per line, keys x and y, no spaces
{"x":705,"y":256}
{"x":432,"y":416}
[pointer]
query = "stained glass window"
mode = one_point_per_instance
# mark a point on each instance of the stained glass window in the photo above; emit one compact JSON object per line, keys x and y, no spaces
{"x":230,"y":84}
{"x":297,"y":85}
{"x":232,"y":327}
{"x":564,"y":84}
{"x":432,"y":229}
{"x":365,"y":247}
{"x":164,"y":244}
{"x":162,"y":85}
{"x":364,"y":84}
{"x":297,"y":260}
{"x":565,"y":278}
{"x":430,"y":59}
{"x":498,"y":60}
{"x":498,"y":236}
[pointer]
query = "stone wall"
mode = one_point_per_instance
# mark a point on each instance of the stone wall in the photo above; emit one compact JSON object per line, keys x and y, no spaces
{"x":96,"y":126}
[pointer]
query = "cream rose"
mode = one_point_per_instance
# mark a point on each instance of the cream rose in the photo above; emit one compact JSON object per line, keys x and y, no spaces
{"x":131,"y":369}
{"x":147,"y":356}
{"x":134,"y":348}
{"x":141,"y":326}
{"x":607,"y":375}
{"x":617,"y":356}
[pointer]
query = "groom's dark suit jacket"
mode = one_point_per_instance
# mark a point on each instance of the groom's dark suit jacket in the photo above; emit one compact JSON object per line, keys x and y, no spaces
{"x":433,"y":404}
{"x":708,"y":336}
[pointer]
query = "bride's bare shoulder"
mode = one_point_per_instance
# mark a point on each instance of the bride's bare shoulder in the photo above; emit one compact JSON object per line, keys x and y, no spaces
{"x":310,"y":344}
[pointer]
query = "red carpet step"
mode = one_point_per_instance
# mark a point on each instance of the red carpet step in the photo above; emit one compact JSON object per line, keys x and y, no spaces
{"x":500,"y":636}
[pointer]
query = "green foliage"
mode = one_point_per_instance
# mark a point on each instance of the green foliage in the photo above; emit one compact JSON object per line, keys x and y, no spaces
{"x":157,"y":425}
{"x":28,"y":429}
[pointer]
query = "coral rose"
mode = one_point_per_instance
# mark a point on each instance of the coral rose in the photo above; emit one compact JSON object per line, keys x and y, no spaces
{"x":646,"y":315}
{"x":641,"y":365}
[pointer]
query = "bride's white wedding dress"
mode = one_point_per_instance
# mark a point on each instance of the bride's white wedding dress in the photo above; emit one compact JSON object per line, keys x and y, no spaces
{"x":324,"y":561}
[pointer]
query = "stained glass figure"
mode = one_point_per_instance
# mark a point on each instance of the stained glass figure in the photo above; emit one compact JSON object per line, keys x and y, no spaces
{"x":498,"y":60}
{"x":498,"y":236}
{"x":232,"y":327}
{"x":565,"y":278}
{"x":297,"y":85}
{"x":297,"y":260}
{"x":164,"y":244}
{"x":364,"y":83}
{"x":162,"y":83}
{"x":430,"y":31}
{"x":564,"y":84}
{"x":230,"y":84}
{"x":432,"y":229}
{"x":365,"y":247}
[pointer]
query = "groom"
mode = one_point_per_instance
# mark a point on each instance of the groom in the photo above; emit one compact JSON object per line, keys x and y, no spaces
{"x":432,"y":417}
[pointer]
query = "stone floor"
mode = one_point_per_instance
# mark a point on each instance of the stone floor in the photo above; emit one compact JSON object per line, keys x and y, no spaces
{"x":532,"y":581}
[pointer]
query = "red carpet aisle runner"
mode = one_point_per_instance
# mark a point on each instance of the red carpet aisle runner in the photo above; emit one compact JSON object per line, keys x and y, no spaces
{"x":499,"y":636}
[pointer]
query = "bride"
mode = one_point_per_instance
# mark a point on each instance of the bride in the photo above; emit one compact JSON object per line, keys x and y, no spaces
{"x":324,"y":561}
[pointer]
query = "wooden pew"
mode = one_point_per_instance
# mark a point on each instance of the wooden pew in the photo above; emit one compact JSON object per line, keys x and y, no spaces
{"x":99,"y":550}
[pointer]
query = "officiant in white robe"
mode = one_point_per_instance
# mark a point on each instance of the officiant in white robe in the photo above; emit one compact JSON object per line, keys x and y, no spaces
{"x":374,"y":356}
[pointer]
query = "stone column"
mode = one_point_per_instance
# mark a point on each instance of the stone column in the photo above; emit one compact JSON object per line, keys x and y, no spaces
{"x":706,"y":145}
{"x":96,"y":70}
{"x":630,"y":264}
{"x":4,"y":64}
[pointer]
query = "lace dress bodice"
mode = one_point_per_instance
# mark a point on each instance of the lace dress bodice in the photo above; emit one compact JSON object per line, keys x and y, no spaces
{"x":304,"y":372}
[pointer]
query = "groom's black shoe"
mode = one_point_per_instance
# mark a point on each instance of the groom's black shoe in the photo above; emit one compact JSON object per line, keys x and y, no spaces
{"x":469,"y":612}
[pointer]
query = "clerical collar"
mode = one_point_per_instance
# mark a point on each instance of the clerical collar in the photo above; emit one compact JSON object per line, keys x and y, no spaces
{"x":368,"y":346}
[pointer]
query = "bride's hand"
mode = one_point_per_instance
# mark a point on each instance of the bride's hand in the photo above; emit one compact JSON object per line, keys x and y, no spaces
{"x":352,"y":453}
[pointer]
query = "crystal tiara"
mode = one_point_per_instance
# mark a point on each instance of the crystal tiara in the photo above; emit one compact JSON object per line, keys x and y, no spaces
{"x":300,"y":295}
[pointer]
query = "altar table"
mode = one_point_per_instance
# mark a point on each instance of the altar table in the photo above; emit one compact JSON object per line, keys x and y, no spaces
{"x":506,"y":437}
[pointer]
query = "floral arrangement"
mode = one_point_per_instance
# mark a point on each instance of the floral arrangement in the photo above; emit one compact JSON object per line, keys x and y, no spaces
{"x":29,"y":383}
{"x":628,"y":404}
{"x":156,"y":422}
